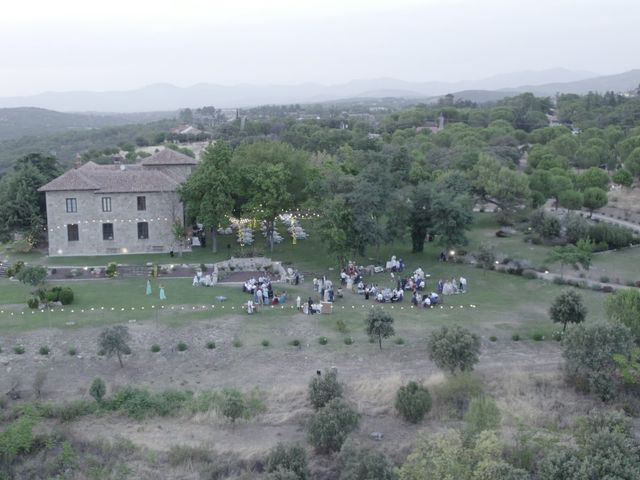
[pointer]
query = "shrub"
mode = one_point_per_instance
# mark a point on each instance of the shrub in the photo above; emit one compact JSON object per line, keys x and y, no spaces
{"x":558,"y":280}
{"x":182,"y":347}
{"x":624,"y":307}
{"x":38,"y":382}
{"x":330,"y":426}
{"x":363,"y":464}
{"x":111,"y":270}
{"x":588,"y":353}
{"x":66,"y":296}
{"x":265,"y":343}
{"x":295,"y":342}
{"x":413,"y":402}
{"x":341,"y":326}
{"x":455,"y":394}
{"x":483,"y":414}
{"x":454,"y":348}
{"x":236,"y":343}
{"x":44,"y":350}
{"x":291,"y":458}
{"x":17,"y":438}
{"x":324,"y":388}
{"x":515,"y":337}
{"x":18,"y":349}
{"x":537,"y":337}
{"x":323,"y":340}
{"x":211,"y":345}
{"x":348,"y":340}
{"x":98,"y":389}
{"x":33,"y":302}
{"x":13,"y":270}
{"x":155,"y":348}
{"x":32,"y":275}
{"x":530,"y":274}
{"x":232,"y":405}
{"x":183,"y":454}
{"x":399,"y":341}
{"x":72,"y":351}
{"x":604,"y":279}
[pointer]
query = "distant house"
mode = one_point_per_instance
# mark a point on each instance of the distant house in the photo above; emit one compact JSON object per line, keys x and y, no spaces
{"x":189,"y":130}
{"x":107,"y":209}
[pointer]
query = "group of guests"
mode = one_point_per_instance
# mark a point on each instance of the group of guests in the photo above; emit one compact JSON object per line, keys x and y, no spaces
{"x":262,"y":293}
{"x":202,"y":280}
{"x":325,"y":288}
{"x":452,"y":287}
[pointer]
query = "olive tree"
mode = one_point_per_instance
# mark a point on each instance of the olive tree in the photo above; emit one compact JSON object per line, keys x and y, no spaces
{"x":113,"y":341}
{"x":454,"y":348}
{"x":568,"y":308}
{"x":379,"y":325}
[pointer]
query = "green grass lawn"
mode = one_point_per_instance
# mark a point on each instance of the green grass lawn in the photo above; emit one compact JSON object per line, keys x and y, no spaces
{"x":621,"y":266}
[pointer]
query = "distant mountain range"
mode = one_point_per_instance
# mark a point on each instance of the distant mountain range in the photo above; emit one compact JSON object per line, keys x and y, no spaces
{"x":169,"y":97}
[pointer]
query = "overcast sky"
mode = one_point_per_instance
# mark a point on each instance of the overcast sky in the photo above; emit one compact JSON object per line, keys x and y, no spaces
{"x":121,"y":44}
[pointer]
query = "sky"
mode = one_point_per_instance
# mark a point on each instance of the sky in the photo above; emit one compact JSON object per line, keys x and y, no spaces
{"x":65,"y":45}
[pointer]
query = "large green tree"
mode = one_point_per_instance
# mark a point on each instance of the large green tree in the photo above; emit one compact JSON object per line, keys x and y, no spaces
{"x":207,"y":192}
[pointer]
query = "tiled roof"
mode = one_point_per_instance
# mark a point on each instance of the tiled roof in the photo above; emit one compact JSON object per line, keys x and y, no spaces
{"x":112,"y":179}
{"x":169,"y":157}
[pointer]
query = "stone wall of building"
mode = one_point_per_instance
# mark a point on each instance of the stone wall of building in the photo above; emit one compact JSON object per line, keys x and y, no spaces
{"x":162,"y":210}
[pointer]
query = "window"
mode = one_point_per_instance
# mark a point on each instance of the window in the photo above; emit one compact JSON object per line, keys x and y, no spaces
{"x":142,"y":203}
{"x":106,"y":204}
{"x":143,"y":230}
{"x":107,"y":231}
{"x":73,"y":235}
{"x":72,"y":205}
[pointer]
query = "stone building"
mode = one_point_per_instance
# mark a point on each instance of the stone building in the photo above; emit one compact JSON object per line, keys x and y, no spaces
{"x":107,"y":209}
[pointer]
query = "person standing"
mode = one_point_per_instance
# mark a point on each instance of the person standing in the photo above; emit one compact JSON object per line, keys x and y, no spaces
{"x":163,"y":296}
{"x":149,"y":290}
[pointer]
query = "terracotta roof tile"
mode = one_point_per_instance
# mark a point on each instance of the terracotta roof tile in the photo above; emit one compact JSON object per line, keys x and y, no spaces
{"x":169,"y":157}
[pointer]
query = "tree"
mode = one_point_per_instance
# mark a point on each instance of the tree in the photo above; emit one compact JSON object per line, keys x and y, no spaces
{"x":570,"y":255}
{"x":38,"y":382}
{"x":32,"y":275}
{"x":179,"y":235}
{"x":622,"y":177}
{"x":588,"y":353}
{"x":486,"y":256}
{"x":571,"y":199}
{"x":483,"y":414}
{"x":593,"y":177}
{"x":559,"y":184}
{"x":364,"y":464}
{"x":451,"y":217}
{"x":454,"y":348}
{"x":97,"y":389}
{"x":594,"y":198}
{"x":113,"y":341}
{"x":500,"y":185}
{"x":324,"y":388}
{"x":207,"y":192}
{"x":624,"y":307}
{"x":379,"y":324}
{"x":568,"y":308}
{"x":420,"y":218}
{"x":292,"y":458}
{"x":330,"y":426}
{"x":413,"y":401}
{"x":233,"y":405}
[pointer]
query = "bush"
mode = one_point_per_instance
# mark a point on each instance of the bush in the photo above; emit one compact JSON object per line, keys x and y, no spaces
{"x":588,"y":353}
{"x":530,"y":274}
{"x":291,"y":458}
{"x":604,"y":279}
{"x":330,"y":426}
{"x":454,"y":348}
{"x":323,"y":340}
{"x":32,"y":275}
{"x":363,"y":464}
{"x":44,"y":350}
{"x":18,"y":349}
{"x":399,"y":341}
{"x":155,"y":348}
{"x":13,"y":270}
{"x":413,"y":402}
{"x":17,"y":438}
{"x":493,"y":338}
{"x":348,"y":340}
{"x":33,"y":302}
{"x":324,"y":388}
{"x":72,"y":351}
{"x":341,"y":326}
{"x":515,"y":337}
{"x":111,"y":270}
{"x":455,"y":394}
{"x":537,"y":337}
{"x":182,"y":347}
{"x":613,"y":236}
{"x":295,"y":342}
{"x":265,"y":343}
{"x":66,"y":296}
{"x":211,"y":345}
{"x":232,"y":405}
{"x":236,"y":343}
{"x":98,"y":389}
{"x":483,"y":414}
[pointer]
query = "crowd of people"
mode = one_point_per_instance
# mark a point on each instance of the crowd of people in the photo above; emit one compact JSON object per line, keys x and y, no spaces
{"x":262,"y":293}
